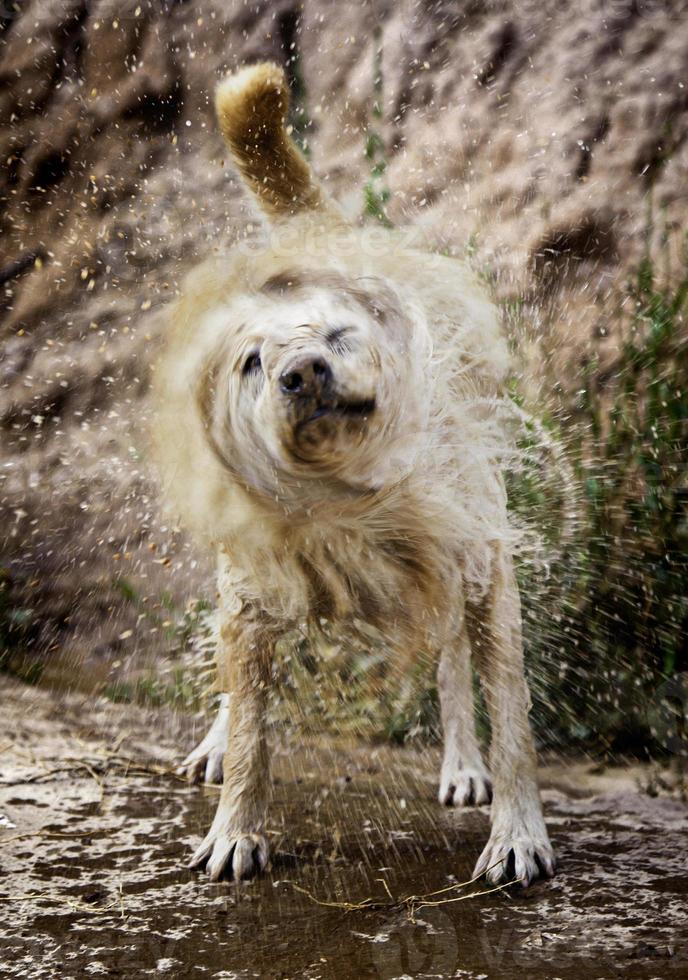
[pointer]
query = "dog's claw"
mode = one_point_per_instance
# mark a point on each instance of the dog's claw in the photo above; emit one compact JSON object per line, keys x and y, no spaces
{"x":518,"y":859}
{"x":204,"y":764}
{"x":231,"y":856}
{"x":465,"y":787}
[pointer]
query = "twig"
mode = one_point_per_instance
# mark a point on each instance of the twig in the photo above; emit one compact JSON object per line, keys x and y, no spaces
{"x":413,"y":908}
{"x":410,"y":903}
{"x":150,"y":769}
{"x":61,"y":900}
{"x":111,"y":761}
{"x":386,"y":887}
{"x":367,"y":903}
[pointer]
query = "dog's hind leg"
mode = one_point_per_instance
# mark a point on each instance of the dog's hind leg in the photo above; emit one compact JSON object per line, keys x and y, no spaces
{"x":519,"y":846}
{"x":204,"y":764}
{"x":464,"y":779}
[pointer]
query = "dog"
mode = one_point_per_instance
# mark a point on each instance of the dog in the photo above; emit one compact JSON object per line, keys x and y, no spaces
{"x":330,"y":420}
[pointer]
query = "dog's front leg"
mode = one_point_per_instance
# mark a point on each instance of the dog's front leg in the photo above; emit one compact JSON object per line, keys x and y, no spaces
{"x":235,"y":845}
{"x":519,"y":845}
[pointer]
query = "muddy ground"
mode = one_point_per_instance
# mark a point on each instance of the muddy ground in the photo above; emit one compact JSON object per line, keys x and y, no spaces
{"x":95,"y":830}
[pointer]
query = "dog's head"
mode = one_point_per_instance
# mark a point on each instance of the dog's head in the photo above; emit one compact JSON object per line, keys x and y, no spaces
{"x":302,"y":373}
{"x":314,"y":376}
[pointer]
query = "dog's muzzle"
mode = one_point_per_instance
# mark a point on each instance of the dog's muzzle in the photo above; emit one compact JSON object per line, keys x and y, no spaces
{"x":308,"y":385}
{"x":306,"y":378}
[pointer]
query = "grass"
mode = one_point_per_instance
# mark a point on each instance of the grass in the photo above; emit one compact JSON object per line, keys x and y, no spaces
{"x":609,"y":628}
{"x":178,"y":682}
{"x":634,"y":468}
{"x":178,"y":690}
{"x":17,"y":629}
{"x":376,"y":194}
{"x":299,"y":118}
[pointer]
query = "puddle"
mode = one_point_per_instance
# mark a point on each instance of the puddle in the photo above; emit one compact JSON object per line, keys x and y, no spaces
{"x":117,"y":900}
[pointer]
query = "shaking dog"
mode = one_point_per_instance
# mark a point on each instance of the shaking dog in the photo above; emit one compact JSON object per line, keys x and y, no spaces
{"x":331,"y":422}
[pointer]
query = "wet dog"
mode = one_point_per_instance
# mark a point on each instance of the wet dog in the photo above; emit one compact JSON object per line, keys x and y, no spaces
{"x":329,"y":422}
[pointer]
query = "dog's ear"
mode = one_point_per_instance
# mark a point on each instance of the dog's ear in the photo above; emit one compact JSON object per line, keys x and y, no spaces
{"x":251,"y":108}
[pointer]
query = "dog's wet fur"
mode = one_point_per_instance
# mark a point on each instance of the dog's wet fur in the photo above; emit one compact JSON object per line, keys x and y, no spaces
{"x":331,"y":422}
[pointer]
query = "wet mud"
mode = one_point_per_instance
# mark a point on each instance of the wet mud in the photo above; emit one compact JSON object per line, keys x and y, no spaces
{"x":95,"y":831}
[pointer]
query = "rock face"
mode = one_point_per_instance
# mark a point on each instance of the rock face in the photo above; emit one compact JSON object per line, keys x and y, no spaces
{"x":533,"y":131}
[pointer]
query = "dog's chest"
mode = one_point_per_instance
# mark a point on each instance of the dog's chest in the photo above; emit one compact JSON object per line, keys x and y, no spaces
{"x":391,"y":581}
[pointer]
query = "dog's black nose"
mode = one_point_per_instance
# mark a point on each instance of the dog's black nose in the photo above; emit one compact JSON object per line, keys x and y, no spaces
{"x":308,"y":376}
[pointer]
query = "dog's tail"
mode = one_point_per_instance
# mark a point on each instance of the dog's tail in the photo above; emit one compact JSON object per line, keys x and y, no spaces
{"x":251,"y":108}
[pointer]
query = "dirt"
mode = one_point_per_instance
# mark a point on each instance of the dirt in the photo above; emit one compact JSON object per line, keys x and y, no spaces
{"x":95,"y":830}
{"x":532,"y":133}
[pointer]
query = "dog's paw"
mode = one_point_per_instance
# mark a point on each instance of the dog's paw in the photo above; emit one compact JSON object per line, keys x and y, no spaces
{"x":204,"y":764}
{"x":470,"y":786}
{"x":231,"y":856}
{"x":517,"y":856}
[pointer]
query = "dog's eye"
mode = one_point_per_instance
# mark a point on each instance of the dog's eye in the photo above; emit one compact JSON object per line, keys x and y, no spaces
{"x":251,"y":364}
{"x":337,"y":341}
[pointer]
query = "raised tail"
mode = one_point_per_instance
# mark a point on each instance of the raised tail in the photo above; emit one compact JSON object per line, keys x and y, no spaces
{"x":251,"y":108}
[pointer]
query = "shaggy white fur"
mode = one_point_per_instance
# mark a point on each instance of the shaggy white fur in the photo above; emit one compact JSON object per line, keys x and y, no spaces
{"x":331,"y":422}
